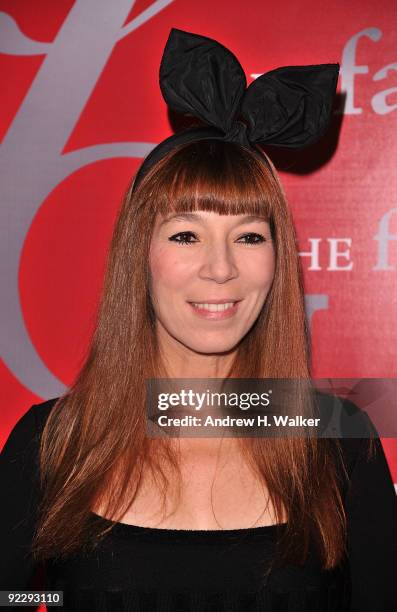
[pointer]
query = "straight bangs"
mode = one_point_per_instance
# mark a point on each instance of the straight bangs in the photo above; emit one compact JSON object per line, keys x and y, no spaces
{"x":212,"y":176}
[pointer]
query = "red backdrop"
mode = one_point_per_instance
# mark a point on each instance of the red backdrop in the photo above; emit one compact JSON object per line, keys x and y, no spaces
{"x":80,"y":108}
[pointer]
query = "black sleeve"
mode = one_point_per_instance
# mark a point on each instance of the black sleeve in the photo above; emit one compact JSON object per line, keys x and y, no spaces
{"x":371,"y":506}
{"x":19,"y":481}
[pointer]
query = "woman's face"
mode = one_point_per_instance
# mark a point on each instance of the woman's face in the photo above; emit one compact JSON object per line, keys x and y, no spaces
{"x":204,"y":257}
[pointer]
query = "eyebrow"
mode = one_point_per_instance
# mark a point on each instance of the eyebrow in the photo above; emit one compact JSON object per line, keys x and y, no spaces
{"x":198,"y":218}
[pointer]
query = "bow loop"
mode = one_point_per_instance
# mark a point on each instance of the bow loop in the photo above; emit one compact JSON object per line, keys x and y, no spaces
{"x":199,"y":76}
{"x":290,"y":106}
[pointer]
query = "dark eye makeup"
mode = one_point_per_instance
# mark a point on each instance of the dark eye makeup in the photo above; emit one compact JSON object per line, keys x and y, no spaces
{"x":258,"y":238}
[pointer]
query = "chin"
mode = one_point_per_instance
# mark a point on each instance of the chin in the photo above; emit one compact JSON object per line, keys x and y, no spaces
{"x":210,"y":347}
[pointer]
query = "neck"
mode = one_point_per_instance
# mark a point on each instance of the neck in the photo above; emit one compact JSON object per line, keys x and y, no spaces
{"x":181,"y":361}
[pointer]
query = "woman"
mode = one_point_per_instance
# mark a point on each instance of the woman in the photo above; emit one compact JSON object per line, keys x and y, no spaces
{"x":121,"y":521}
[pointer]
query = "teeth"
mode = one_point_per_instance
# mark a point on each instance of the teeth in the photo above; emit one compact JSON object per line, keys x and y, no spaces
{"x":214,"y":307}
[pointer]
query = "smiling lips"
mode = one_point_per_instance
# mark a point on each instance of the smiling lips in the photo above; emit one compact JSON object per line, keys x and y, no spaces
{"x":215,"y":309}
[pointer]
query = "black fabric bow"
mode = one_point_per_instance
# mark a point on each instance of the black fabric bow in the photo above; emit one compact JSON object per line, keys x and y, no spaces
{"x":288,"y":107}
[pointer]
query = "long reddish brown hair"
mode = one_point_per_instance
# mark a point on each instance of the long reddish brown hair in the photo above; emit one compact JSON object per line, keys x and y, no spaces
{"x":94,"y":448}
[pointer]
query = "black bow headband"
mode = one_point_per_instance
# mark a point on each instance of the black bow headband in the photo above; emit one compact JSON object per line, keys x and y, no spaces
{"x":288,"y":107}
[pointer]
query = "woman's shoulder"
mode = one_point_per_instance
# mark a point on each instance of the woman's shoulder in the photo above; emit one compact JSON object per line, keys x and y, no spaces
{"x":41,"y":412}
{"x":341,"y":417}
{"x":343,"y":420}
{"x":28,"y":428}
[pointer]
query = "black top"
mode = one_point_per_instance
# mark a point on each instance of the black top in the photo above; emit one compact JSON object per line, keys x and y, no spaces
{"x":143,"y":568}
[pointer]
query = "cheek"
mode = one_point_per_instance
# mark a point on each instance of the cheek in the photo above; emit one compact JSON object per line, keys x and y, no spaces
{"x":167,"y":270}
{"x":270,"y":271}
{"x":262,"y":271}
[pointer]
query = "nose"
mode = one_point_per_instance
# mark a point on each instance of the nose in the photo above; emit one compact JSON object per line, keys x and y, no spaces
{"x":218,"y":263}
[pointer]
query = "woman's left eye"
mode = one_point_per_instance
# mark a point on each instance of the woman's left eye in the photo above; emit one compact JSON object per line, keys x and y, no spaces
{"x":258,"y":238}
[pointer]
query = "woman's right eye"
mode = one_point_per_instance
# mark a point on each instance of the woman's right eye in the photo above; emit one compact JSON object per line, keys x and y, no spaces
{"x":183,"y":240}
